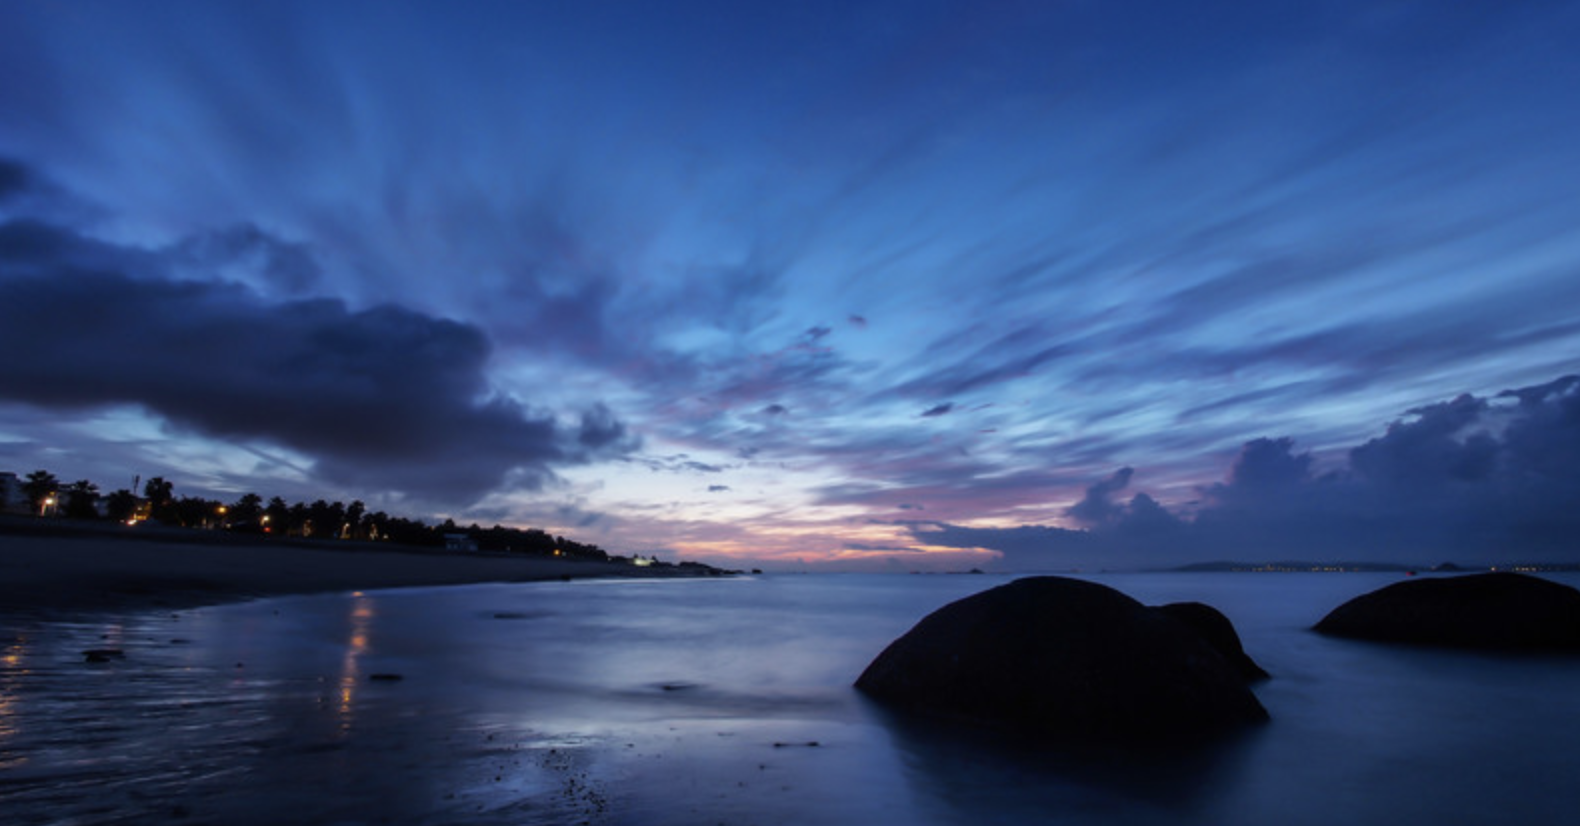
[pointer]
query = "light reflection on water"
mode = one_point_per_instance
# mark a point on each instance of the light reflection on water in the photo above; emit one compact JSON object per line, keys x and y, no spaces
{"x":13,"y":670}
{"x":362,"y":614}
{"x":727,"y":701}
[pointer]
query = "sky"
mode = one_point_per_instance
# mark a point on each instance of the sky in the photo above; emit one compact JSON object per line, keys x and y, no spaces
{"x":812,"y":286}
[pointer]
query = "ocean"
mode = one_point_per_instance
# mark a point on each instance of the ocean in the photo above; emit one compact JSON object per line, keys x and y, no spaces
{"x":728,"y":701}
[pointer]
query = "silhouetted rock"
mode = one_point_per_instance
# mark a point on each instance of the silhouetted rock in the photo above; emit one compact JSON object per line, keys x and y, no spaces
{"x":1073,"y":660}
{"x":1219,"y":633}
{"x":1498,"y":611}
{"x":103,"y":655}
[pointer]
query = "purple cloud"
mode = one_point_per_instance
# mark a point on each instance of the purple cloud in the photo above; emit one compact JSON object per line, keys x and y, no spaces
{"x":1488,"y":480}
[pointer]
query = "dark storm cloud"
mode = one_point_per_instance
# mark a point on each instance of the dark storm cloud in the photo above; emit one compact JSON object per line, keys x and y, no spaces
{"x":1472,"y":479}
{"x":600,"y":431}
{"x":246,"y":250}
{"x":938,"y":410}
{"x":36,"y":248}
{"x":385,"y":398}
{"x":14,"y":179}
{"x":29,"y":196}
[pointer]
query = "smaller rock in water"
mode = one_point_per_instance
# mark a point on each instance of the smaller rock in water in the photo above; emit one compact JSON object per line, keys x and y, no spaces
{"x":103,"y":655}
{"x":386,"y":678}
{"x":1496,"y":611}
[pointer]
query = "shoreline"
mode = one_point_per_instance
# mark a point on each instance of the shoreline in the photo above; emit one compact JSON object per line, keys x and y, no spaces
{"x":58,"y":571}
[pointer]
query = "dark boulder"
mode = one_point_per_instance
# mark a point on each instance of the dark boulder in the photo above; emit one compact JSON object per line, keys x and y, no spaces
{"x":1071,"y":659}
{"x":1219,"y":633}
{"x":1503,"y":611}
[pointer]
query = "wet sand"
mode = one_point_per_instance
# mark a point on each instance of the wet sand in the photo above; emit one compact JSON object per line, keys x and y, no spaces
{"x":61,"y":571}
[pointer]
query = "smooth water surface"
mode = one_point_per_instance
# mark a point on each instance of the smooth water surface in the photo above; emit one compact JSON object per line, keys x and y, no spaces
{"x":729,"y":701}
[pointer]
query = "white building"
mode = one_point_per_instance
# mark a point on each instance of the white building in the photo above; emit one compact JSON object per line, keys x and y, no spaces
{"x":459,"y":542}
{"x":12,"y":500}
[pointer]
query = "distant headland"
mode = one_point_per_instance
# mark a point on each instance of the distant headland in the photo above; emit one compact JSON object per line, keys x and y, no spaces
{"x":1296,"y":566}
{"x":60,"y":568}
{"x":67,"y":549}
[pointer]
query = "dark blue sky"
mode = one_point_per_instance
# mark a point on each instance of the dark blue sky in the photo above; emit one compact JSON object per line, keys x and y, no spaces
{"x":844,"y":283}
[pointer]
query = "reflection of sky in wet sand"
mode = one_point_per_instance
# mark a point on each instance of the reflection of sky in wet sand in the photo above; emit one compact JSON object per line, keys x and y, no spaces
{"x":267,"y":713}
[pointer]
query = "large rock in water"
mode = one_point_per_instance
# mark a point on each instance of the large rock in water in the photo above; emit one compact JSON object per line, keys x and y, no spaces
{"x":1504,"y":611}
{"x":1074,"y":660}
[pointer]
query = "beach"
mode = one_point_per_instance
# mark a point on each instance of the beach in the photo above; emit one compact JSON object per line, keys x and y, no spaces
{"x":59,"y":570}
{"x":671,"y":702}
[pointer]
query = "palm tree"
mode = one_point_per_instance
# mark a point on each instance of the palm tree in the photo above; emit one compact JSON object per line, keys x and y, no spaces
{"x":121,"y":505}
{"x":278,"y":515}
{"x":161,"y":496}
{"x":40,"y":489}
{"x":299,"y":522}
{"x":377,"y":525}
{"x":354,"y":512}
{"x":81,"y":496}
{"x":247,"y":511}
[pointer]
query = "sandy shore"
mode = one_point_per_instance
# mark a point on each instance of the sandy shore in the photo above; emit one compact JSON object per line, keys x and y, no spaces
{"x":59,"y":573}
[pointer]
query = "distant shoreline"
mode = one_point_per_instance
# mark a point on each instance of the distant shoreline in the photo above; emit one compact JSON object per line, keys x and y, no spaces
{"x":53,"y":570}
{"x":1369,"y":567}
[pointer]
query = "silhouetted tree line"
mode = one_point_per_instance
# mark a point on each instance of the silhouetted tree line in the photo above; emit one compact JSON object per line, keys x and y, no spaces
{"x":45,"y":496}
